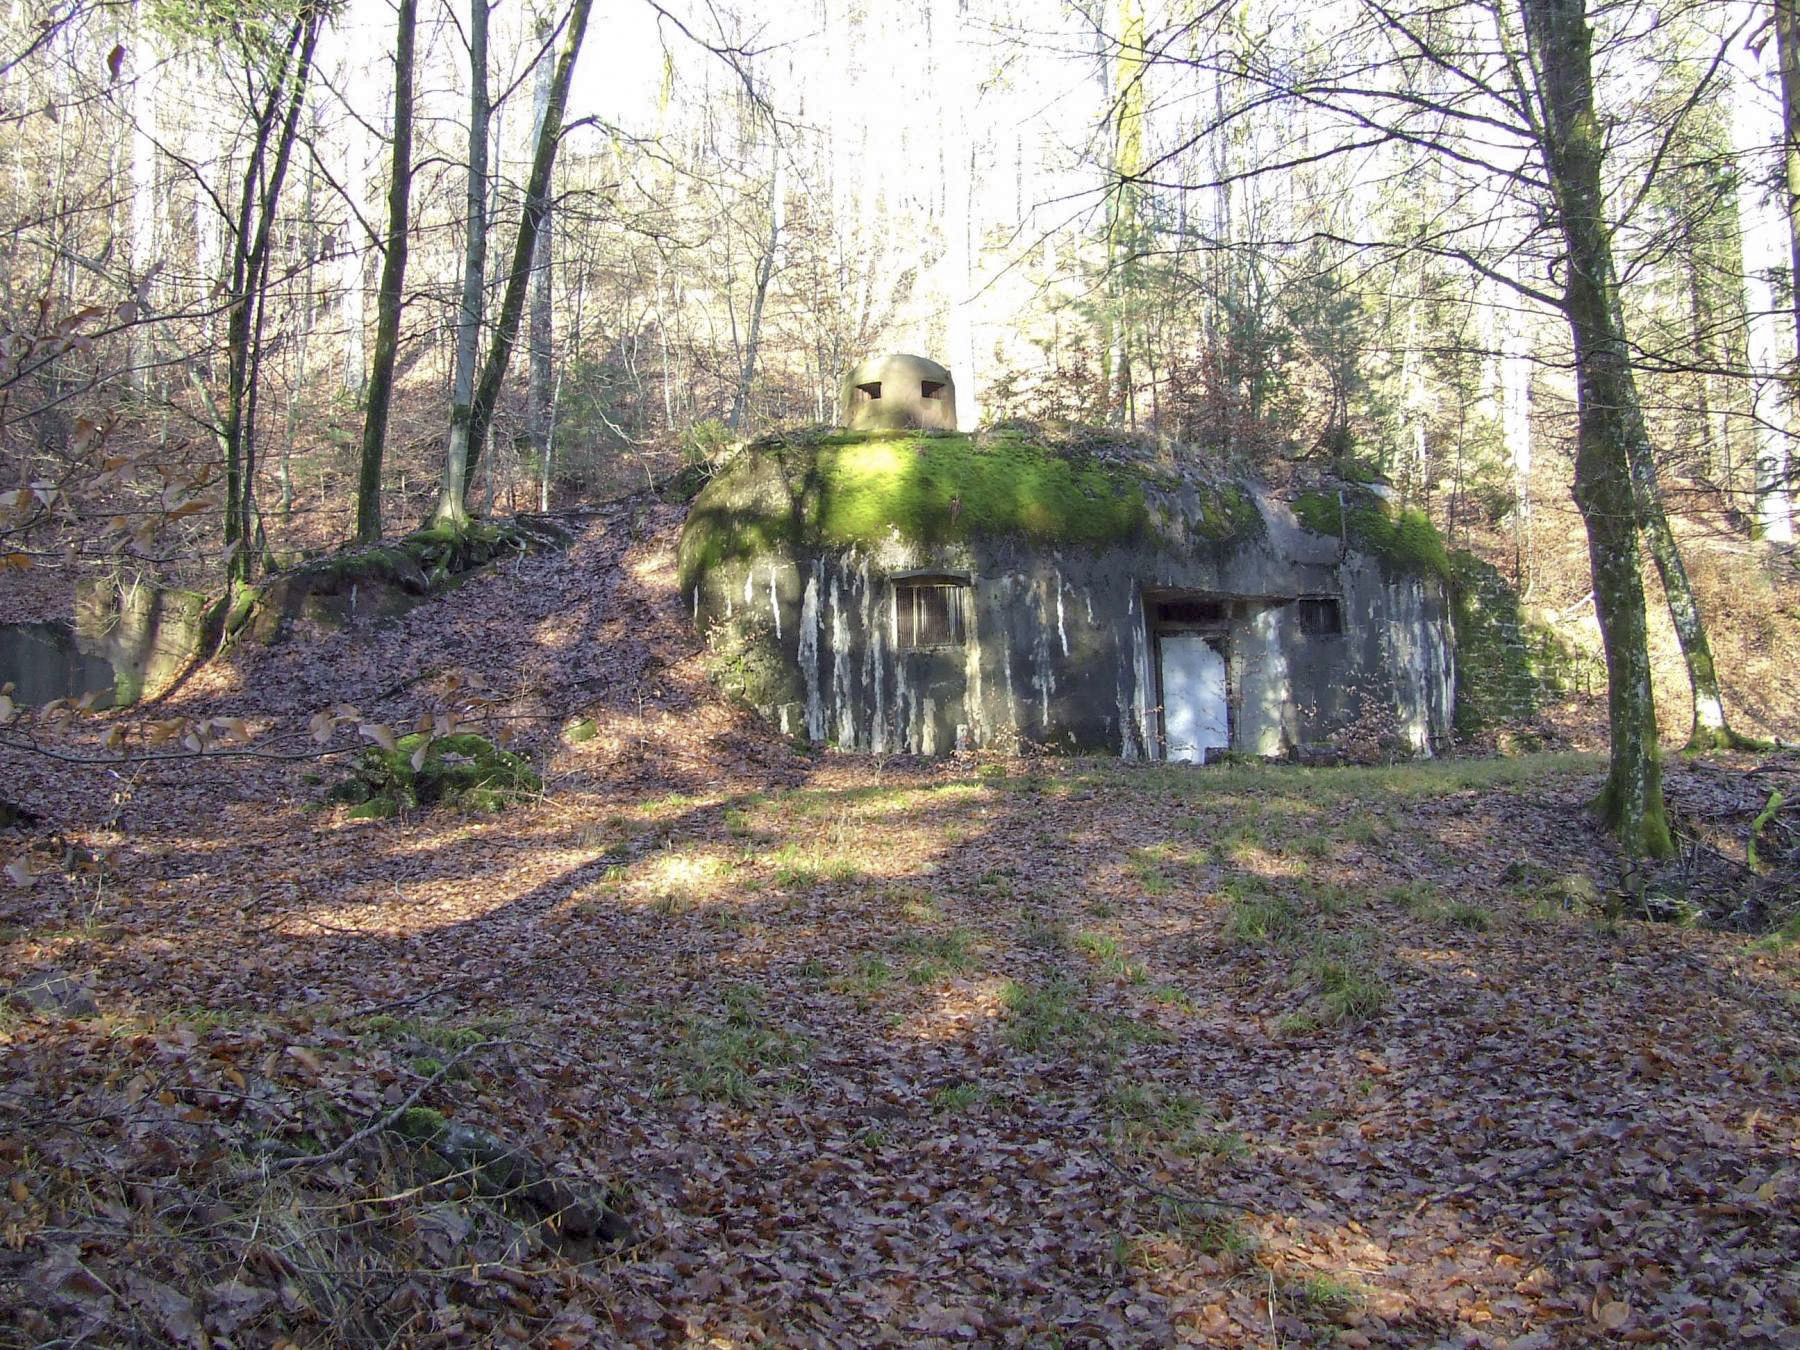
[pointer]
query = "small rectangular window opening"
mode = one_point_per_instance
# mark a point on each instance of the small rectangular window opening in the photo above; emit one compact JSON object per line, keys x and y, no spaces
{"x":930,"y":388}
{"x":1319,"y":615}
{"x":929,"y":614}
{"x":871,"y":390}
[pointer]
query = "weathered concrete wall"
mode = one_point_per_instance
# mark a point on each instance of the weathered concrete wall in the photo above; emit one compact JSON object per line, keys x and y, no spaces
{"x":149,"y":635}
{"x":1057,"y":651}
{"x":45,"y":661}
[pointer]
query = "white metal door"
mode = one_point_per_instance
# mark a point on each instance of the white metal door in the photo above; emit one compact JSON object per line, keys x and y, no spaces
{"x":1193,"y":687}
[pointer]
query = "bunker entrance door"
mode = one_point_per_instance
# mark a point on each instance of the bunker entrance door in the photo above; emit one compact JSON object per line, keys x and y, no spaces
{"x":1195,"y":722}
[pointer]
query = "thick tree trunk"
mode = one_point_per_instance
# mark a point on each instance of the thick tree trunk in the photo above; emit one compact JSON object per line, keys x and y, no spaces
{"x":1610,"y":419}
{"x":537,"y":205}
{"x":389,"y":299}
{"x":464,"y":445}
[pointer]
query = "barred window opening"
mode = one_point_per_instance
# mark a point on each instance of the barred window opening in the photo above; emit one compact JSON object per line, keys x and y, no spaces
{"x":928,"y":614}
{"x":1320,"y":615}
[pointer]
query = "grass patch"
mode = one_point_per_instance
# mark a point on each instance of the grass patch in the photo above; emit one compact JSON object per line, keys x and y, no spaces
{"x":1348,"y":986}
{"x":1149,"y":868}
{"x":1255,"y":919}
{"x":867,"y":978}
{"x":1225,"y":1145}
{"x":729,"y":1058}
{"x":1045,"y":932}
{"x":1328,"y":1293}
{"x":956,"y":1098}
{"x":1106,"y":952}
{"x":1043,"y":1016}
{"x":1148,"y":1112}
{"x":1470,"y":916}
{"x":1421,"y":899}
{"x":954,"y":950}
{"x":794,"y":866}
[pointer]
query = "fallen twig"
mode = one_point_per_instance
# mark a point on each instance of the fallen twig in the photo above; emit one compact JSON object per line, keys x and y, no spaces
{"x":385,"y":1122}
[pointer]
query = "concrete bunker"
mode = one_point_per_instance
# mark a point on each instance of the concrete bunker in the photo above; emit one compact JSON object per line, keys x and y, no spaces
{"x":919,"y":592}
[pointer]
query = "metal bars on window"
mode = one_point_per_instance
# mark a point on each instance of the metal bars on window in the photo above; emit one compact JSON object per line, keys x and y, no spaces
{"x":928,"y":614}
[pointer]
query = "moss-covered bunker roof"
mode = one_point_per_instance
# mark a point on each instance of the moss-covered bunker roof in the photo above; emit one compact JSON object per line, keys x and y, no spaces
{"x":845,"y":488}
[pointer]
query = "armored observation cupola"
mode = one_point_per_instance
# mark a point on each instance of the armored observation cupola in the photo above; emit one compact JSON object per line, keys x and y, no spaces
{"x":898,"y":392}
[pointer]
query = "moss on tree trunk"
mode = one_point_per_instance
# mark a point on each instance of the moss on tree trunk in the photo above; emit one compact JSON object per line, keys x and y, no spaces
{"x":1573,"y":149}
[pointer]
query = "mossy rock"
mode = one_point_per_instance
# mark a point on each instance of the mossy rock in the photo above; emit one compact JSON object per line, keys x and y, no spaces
{"x":826,"y":491}
{"x":463,"y":770}
{"x":421,"y":1124}
{"x":580,"y":730}
{"x":1406,"y":539}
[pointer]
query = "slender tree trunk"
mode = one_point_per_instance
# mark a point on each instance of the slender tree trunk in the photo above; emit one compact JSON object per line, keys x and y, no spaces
{"x":1515,"y":422}
{"x":1787,"y":56}
{"x":390,"y":297}
{"x":250,"y":248}
{"x":1711,"y":412}
{"x":765,"y":271}
{"x":1610,"y":419}
{"x":1767,"y":252}
{"x":463,"y":449}
{"x":352,"y":267}
{"x":537,"y":204}
{"x":145,"y":199}
{"x":540,"y":393}
{"x":1710,"y":730}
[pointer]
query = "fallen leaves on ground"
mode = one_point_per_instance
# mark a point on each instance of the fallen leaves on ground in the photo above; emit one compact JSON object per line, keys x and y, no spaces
{"x":866,"y":1051}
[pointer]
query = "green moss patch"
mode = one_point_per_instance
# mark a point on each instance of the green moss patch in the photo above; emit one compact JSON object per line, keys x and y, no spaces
{"x":1224,"y":512}
{"x":1405,"y":538}
{"x":462,"y":770}
{"x":864,"y":487}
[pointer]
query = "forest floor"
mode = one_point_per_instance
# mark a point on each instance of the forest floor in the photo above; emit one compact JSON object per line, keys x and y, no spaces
{"x":864,"y":1051}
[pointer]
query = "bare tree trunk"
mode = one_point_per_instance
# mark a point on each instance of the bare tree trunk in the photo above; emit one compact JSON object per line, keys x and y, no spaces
{"x":765,"y":271}
{"x":1710,"y":730}
{"x":539,"y":394}
{"x":249,"y":275}
{"x":1515,"y":422}
{"x":389,"y":298}
{"x":144,"y":197}
{"x":352,"y":266}
{"x":1787,"y":57}
{"x":1767,"y":250}
{"x":1610,"y":421}
{"x":537,"y":204}
{"x":463,"y":449}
